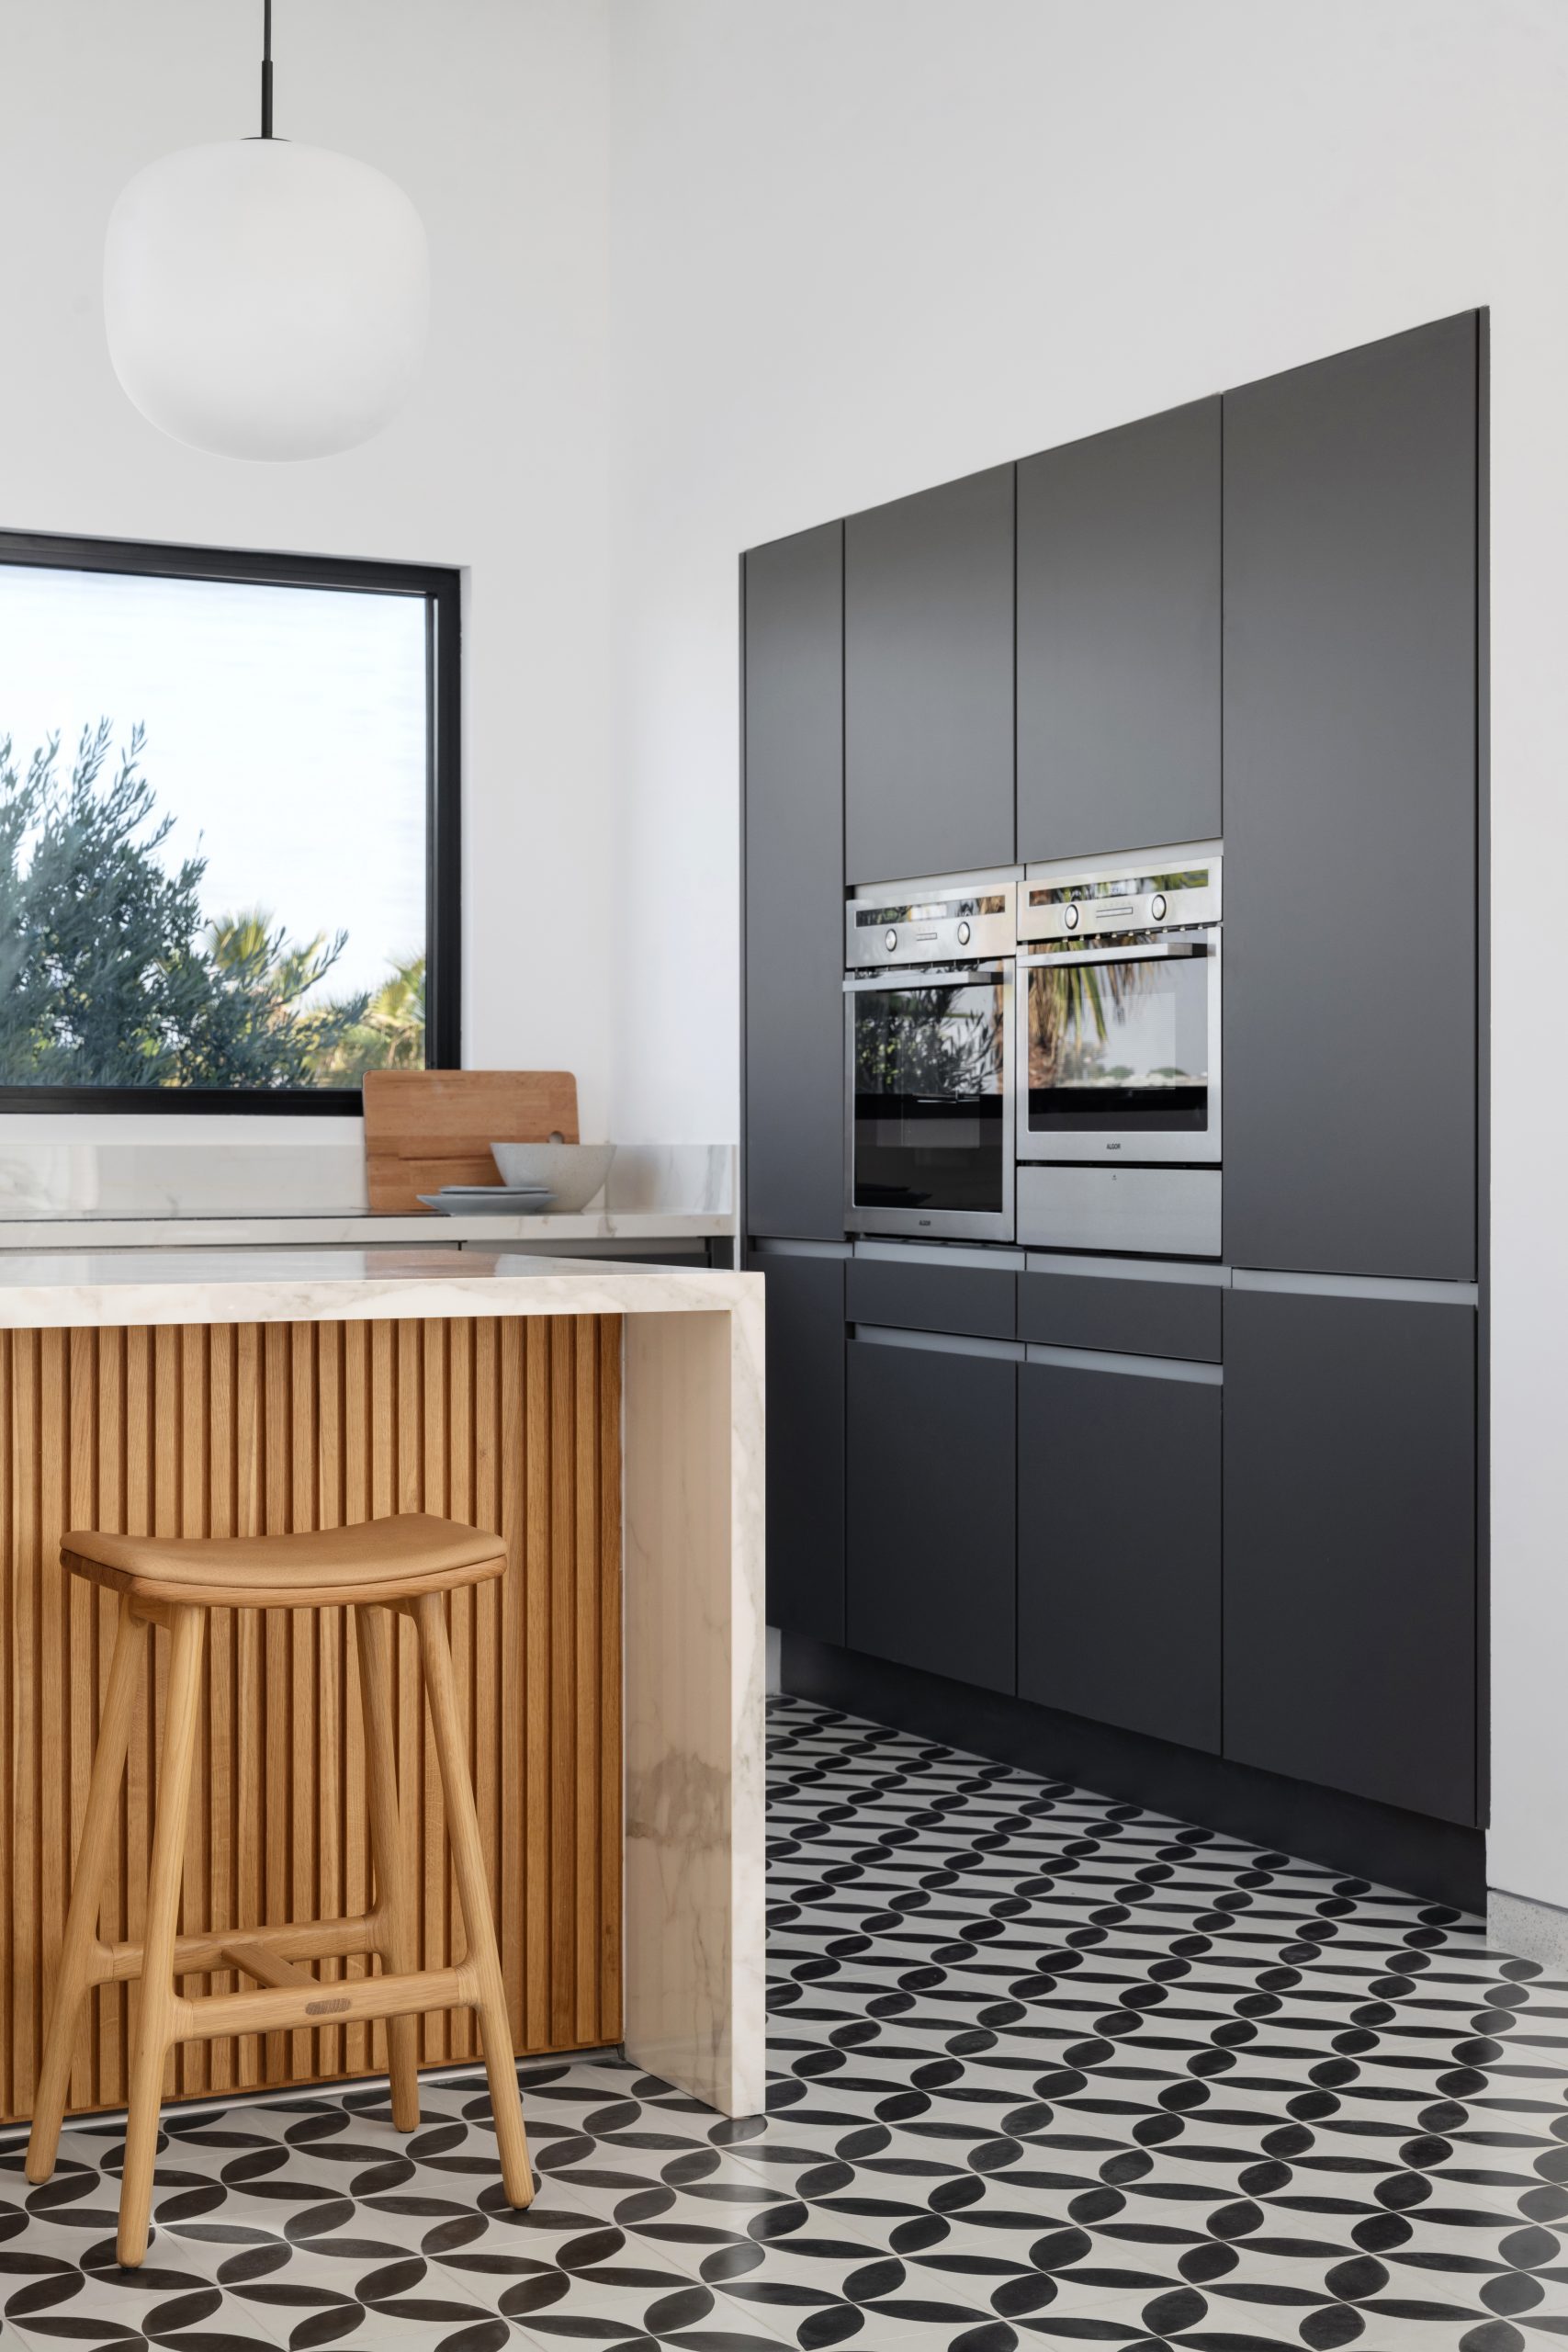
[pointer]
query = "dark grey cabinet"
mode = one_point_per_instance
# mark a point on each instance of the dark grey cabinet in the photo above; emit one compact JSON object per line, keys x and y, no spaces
{"x":1350,"y":1585}
{"x":929,"y":682}
{"x":1119,"y":1576}
{"x":804,"y":1362}
{"x":1121,"y":1314}
{"x":1118,"y":639}
{"x":915,"y":1296}
{"x":931,"y":1566}
{"x":793,"y":890}
{"x":1350,"y":719}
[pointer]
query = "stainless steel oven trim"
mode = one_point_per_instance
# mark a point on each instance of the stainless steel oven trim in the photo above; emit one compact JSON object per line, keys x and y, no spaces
{"x":935,"y":939}
{"x":940,"y":1253}
{"x":1121,"y":861}
{"x":960,"y":1225}
{"x":1129,"y":1151}
{"x":970,"y":877}
{"x":1200,"y":903}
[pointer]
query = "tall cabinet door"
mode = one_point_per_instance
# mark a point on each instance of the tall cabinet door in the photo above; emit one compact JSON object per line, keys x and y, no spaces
{"x":1351,"y":701}
{"x":931,"y":1568}
{"x":1118,"y":639}
{"x":929,"y":682}
{"x":795,"y":887}
{"x":804,"y":1304}
{"x":1118,"y":1544}
{"x":1349,"y":1497}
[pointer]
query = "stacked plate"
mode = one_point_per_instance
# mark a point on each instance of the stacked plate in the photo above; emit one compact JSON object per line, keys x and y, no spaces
{"x":489,"y":1200}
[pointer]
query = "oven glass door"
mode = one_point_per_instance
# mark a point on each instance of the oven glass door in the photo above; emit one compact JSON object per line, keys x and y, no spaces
{"x":930,"y":1102}
{"x":1120,"y":1055}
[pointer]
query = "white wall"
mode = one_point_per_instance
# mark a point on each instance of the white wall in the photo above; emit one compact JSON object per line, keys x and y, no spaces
{"x":860,"y":248}
{"x":490,"y":113}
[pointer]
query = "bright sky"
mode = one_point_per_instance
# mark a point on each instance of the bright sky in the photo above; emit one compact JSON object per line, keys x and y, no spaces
{"x":285,"y":732}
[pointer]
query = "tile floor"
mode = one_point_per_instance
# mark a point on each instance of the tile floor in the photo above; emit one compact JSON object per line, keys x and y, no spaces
{"x":1047,"y":2072}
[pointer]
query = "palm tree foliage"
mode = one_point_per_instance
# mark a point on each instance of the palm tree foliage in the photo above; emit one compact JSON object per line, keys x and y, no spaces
{"x":930,"y":1041}
{"x":109,"y":976}
{"x":1071,"y":1008}
{"x":390,"y":1034}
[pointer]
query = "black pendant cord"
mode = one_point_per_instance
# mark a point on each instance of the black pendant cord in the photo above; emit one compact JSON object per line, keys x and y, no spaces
{"x":267,"y":69}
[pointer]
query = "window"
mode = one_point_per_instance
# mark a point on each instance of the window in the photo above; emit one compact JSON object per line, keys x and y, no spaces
{"x":229,"y":828}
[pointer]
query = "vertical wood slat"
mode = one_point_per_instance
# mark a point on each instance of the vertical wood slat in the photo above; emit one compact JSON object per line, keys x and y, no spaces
{"x":525,"y":1687}
{"x":511,"y":1424}
{"x":8,"y":1581}
{"x":25,"y":1822}
{"x":356,"y":1423}
{"x":81,"y":1509}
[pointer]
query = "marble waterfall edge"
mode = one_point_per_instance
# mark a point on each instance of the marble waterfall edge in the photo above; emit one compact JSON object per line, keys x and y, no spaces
{"x":696,"y":1703}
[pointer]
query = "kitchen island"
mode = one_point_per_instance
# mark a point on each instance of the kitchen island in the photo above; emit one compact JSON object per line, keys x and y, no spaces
{"x":596,"y":1415}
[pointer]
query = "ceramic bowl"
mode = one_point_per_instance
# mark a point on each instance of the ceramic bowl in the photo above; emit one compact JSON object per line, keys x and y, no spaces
{"x":575,"y":1172}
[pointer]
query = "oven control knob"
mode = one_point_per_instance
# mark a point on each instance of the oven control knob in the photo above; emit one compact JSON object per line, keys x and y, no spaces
{"x":891,"y":941}
{"x":1157,"y":906}
{"x":963,"y":934}
{"x":1069,"y":918}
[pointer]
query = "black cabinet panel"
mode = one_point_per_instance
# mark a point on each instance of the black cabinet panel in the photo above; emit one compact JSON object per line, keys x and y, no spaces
{"x":1350,"y":1591}
{"x":973,"y":1301}
{"x":1350,"y":687}
{"x":795,"y":896}
{"x":929,"y":682}
{"x":931,"y":1573}
{"x":805,"y":1306}
{"x":1118,"y":639}
{"x":1119,"y":1549}
{"x":1139,"y":1318}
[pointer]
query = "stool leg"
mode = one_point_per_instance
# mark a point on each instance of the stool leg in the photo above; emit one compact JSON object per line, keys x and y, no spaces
{"x":155,"y":2019}
{"x":399,"y":1949}
{"x":87,"y":1891}
{"x":468,"y":1858}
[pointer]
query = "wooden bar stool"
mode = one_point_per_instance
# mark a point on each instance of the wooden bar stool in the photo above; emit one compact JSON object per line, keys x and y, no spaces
{"x":406,"y":1564}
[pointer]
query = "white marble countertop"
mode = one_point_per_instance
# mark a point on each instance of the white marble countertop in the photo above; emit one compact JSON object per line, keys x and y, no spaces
{"x":136,"y":1179}
{"x":51,"y":1290}
{"x":358,"y":1229}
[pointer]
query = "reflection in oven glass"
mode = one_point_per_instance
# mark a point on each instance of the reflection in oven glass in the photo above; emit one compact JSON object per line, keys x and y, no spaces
{"x":1119,"y":1045}
{"x":929,"y":1081}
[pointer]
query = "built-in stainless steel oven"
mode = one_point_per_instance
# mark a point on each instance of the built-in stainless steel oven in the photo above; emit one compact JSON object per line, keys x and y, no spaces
{"x":929,"y":1058}
{"x":1119,"y":1063}
{"x":1119,"y":973}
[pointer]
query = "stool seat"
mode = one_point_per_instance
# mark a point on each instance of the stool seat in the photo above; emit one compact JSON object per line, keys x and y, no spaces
{"x":380,"y":1560}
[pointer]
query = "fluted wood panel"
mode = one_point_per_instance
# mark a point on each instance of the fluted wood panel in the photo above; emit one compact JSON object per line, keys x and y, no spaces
{"x":511,"y":1424}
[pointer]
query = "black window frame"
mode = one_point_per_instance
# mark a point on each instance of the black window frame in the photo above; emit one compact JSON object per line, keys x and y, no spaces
{"x":442,"y":591}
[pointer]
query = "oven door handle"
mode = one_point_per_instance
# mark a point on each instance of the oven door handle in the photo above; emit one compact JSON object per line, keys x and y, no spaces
{"x":1168,"y":951}
{"x":927,"y":976}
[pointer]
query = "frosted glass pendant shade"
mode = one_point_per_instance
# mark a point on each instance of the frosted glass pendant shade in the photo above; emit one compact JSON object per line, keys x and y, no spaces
{"x":264,"y":300}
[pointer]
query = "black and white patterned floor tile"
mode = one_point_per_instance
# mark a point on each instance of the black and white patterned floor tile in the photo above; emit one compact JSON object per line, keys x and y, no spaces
{"x":1045,"y":2072}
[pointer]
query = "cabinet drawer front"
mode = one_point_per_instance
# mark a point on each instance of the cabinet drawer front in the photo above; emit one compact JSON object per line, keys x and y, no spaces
{"x":1119,"y":1548}
{"x":1350,"y":1559}
{"x":931,"y":1568}
{"x":972,"y":1301}
{"x":1133,"y":1318}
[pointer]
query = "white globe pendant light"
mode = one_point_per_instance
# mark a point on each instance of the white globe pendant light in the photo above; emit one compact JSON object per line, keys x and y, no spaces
{"x":264,"y":300}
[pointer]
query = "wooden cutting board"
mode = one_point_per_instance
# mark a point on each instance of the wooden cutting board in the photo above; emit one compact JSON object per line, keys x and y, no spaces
{"x":425,"y":1128}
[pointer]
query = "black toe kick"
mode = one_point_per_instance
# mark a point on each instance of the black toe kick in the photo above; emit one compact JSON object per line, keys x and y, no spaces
{"x":1440,"y":1860}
